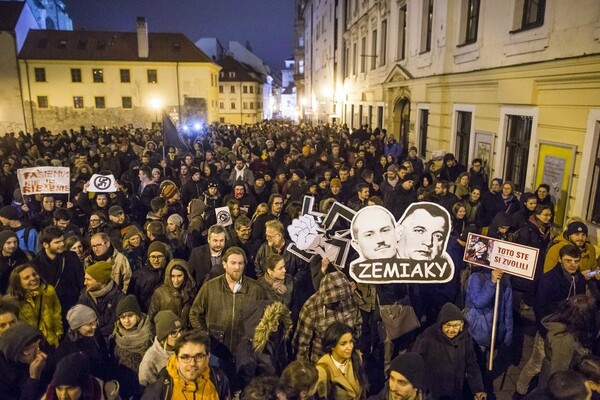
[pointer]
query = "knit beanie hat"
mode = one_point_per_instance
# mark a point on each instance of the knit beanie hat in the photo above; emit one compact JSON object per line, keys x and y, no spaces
{"x":412,"y":366}
{"x":80,"y":315}
{"x":100,"y":271}
{"x":73,"y":370}
{"x":131,"y":231}
{"x":168,"y":189}
{"x":5,"y":235}
{"x":9,"y":212}
{"x":166,"y":322}
{"x":175,"y":219}
{"x":157,"y":246}
{"x":128,"y":303}
{"x":16,"y":338}
{"x":576,"y":227}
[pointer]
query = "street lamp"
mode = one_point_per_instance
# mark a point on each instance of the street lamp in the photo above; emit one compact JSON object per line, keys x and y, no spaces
{"x":155,"y":103}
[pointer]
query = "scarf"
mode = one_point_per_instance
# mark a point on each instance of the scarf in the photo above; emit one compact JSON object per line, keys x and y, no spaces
{"x":239,"y":196}
{"x":96,"y":294}
{"x":543,"y":228}
{"x":134,"y":340}
{"x":184,"y":390}
{"x":278,"y":285}
{"x":104,"y":257}
{"x":393,"y":182}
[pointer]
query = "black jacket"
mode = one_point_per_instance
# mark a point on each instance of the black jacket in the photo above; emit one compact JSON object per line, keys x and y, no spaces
{"x":105,"y":307}
{"x":144,"y":282}
{"x":163,"y":387}
{"x":7,"y":264}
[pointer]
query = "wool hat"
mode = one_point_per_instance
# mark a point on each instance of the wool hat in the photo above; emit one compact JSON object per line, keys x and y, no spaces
{"x":335,"y":182}
{"x":9,"y":212}
{"x":128,"y":303}
{"x":409,"y":177}
{"x":157,"y":246}
{"x":100,"y":271}
{"x":131,"y":231}
{"x":412,"y":367}
{"x":168,"y":189}
{"x":194,"y":170}
{"x":5,"y":235}
{"x":321,"y":179}
{"x":80,"y":315}
{"x":73,"y":370}
{"x":299,"y":173}
{"x":413,"y":148}
{"x":176,"y":220}
{"x":166,"y":322}
{"x":16,"y":338}
{"x":576,"y":227}
{"x":115,"y":210}
{"x":392,"y":168}
{"x":212,"y":184}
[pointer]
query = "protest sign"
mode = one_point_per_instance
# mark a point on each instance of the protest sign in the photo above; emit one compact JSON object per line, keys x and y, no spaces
{"x":102,"y":184}
{"x":41,"y":180}
{"x":223,"y":216}
{"x":412,"y":250}
{"x":512,"y":258}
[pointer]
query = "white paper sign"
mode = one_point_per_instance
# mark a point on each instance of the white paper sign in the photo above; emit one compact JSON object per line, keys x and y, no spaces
{"x":102,"y":184}
{"x":41,"y":180}
{"x":512,"y":258}
{"x":223,"y":216}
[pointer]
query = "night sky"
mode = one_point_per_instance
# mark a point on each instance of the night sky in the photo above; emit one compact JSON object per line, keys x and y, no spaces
{"x":267,"y":24}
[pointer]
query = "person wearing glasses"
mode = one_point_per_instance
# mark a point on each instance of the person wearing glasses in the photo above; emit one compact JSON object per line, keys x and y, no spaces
{"x":151,"y":276}
{"x":188,"y":373}
{"x":168,"y":328}
{"x":103,"y":250}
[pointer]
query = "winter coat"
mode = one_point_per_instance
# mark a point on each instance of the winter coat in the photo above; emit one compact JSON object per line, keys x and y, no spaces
{"x":588,"y":256}
{"x":334,"y":301}
{"x":285,"y":298}
{"x":43,"y":311}
{"x":479,"y":308}
{"x":101,"y":364}
{"x":105,"y":307}
{"x":530,"y":235}
{"x":332,"y":384}
{"x":144,"y":282}
{"x":166,"y":297}
{"x":449,"y":361}
{"x":154,"y":360}
{"x":263,"y":350}
{"x":105,"y":390}
{"x":218,"y":311}
{"x":7,"y":264}
{"x":121,"y":270}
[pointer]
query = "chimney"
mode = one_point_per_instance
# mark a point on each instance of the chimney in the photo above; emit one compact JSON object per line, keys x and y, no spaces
{"x":142,"y":37}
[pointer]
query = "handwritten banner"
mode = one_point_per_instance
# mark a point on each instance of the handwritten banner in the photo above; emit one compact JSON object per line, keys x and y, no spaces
{"x":42,"y":180}
{"x":512,"y":258}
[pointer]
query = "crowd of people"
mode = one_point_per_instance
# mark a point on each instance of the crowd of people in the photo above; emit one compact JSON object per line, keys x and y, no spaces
{"x":181,"y":283}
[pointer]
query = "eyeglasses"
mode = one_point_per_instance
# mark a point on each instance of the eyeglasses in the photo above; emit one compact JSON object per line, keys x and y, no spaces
{"x":185,"y":358}
{"x":95,"y":246}
{"x":453,"y":326}
{"x":156,"y":257}
{"x":175,"y":333}
{"x":272,"y":236}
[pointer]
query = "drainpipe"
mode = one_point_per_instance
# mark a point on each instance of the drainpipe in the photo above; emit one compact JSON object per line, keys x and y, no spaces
{"x":29,"y":90}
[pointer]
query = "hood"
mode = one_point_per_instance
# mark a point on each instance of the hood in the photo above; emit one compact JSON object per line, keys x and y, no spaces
{"x":197,"y":208}
{"x":502,"y":219}
{"x":334,"y":288}
{"x":449,"y":312}
{"x":184,"y":264}
{"x":16,"y":339}
{"x":553,"y":327}
{"x":265,"y":318}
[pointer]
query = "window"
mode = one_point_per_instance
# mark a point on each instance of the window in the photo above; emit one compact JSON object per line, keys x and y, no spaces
{"x":471,"y":22}
{"x":40,"y":74}
{"x":232,"y":89}
{"x":401,"y":33}
{"x":100,"y":102}
{"x":533,"y":13}
{"x":77,"y":101}
{"x":426,"y":25}
{"x":423,"y":126}
{"x":463,"y":136}
{"x":363,"y":57}
{"x":373,"y":54}
{"x":75,"y":74}
{"x":233,"y":105}
{"x":346,"y":62}
{"x":383,"y":52}
{"x":42,"y":101}
{"x":518,"y":134}
{"x":251,"y":89}
{"x":259,"y":90}
{"x":125,"y":75}
{"x":222,"y":105}
{"x":301,"y":66}
{"x":245,"y":106}
{"x":222,"y":120}
{"x":126,"y":102}
{"x":98,"y":75}
{"x":252,"y":105}
{"x":594,"y":202}
{"x":245,"y":89}
{"x":232,"y":74}
{"x":354,"y":55}
{"x":152,"y":76}
{"x":220,"y":88}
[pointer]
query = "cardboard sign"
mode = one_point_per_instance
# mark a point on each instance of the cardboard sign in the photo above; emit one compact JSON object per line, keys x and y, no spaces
{"x":42,"y":180}
{"x":411,"y":250}
{"x":223,"y":216}
{"x":102,"y":184}
{"x":512,"y":258}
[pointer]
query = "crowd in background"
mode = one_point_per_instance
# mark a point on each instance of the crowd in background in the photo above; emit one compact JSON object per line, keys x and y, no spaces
{"x":146,"y":292}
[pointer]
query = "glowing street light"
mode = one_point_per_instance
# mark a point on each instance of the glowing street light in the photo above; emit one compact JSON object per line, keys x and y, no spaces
{"x":156,"y":104}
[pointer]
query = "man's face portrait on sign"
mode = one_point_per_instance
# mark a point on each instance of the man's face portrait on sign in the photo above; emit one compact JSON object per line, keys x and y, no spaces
{"x":374,"y":233}
{"x":424,"y":233}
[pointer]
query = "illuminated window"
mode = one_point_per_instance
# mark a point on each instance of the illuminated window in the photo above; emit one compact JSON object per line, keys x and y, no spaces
{"x":152,"y":76}
{"x":77,"y":101}
{"x":98,"y":75}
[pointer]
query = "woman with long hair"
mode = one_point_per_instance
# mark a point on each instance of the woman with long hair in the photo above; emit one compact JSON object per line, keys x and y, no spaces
{"x":277,"y":283}
{"x":460,"y":187}
{"x":571,"y":333}
{"x":77,"y":245}
{"x":39,"y":303}
{"x":472,"y":203}
{"x":459,"y":220}
{"x":341,"y":373}
{"x":134,"y":247}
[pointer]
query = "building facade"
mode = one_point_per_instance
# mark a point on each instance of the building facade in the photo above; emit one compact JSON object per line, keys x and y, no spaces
{"x":513,"y":82}
{"x":75,"y":78}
